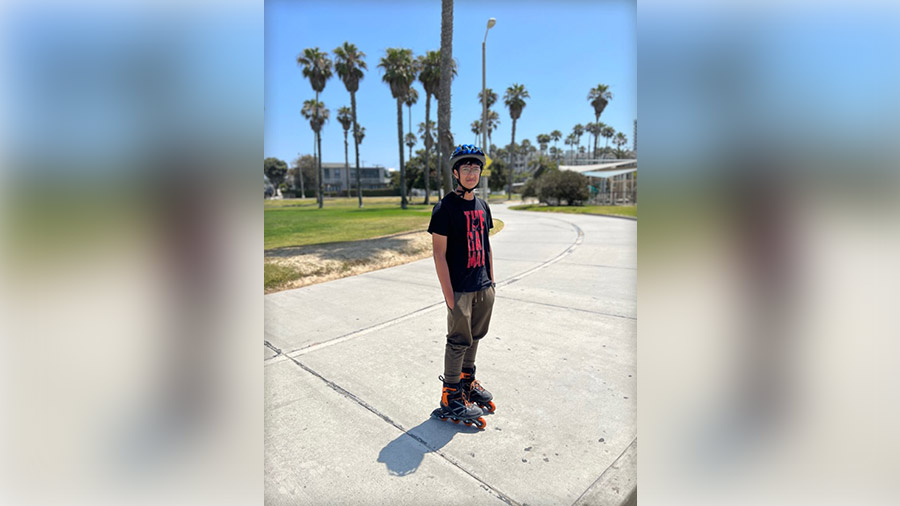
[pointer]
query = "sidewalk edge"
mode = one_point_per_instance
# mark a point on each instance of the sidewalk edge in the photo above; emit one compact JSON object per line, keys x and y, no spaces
{"x":617,"y":486}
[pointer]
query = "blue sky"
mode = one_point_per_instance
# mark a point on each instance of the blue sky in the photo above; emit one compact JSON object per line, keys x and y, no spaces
{"x":558,"y":50}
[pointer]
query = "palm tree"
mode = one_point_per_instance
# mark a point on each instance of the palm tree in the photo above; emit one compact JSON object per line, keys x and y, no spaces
{"x":620,"y":141}
{"x":410,"y":141}
{"x":360,"y":135}
{"x":570,"y":141}
{"x":476,"y":129}
{"x":527,"y":149}
{"x":317,"y":114}
{"x":425,"y":133}
{"x":515,"y":100}
{"x":425,"y":129}
{"x":599,"y":97}
{"x":608,"y":132}
{"x":345,"y":118}
{"x":593,"y":128}
{"x":430,"y":77}
{"x":446,"y":75}
{"x":349,"y":65}
{"x":399,"y":72}
{"x":493,"y":121}
{"x":491,"y":98}
{"x":543,"y":140}
{"x":316,"y":68}
{"x":491,"y":115}
{"x":556,"y":135}
{"x":578,"y":130}
{"x":412,"y":96}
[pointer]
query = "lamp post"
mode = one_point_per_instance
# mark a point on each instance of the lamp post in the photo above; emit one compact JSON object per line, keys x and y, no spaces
{"x":484,"y":126}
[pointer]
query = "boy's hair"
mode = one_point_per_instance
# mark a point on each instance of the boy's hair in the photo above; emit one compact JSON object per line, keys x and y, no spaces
{"x":466,"y":161}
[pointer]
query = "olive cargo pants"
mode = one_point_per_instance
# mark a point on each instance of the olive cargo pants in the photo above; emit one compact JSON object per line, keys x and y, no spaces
{"x":467,"y":323}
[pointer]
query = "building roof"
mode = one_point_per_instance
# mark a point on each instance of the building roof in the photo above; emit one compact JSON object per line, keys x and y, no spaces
{"x":331,"y":165}
{"x":600,"y":167}
{"x":609,"y":173}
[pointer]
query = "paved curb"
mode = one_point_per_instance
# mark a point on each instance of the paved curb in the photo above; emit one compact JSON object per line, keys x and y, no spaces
{"x":613,"y":216}
{"x":580,"y":214}
{"x":617,"y":486}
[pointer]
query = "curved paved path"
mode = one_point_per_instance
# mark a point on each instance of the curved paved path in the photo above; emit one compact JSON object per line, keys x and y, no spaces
{"x":351,"y":377}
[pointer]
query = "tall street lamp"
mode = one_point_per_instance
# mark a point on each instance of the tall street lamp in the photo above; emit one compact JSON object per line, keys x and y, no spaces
{"x":484,"y":126}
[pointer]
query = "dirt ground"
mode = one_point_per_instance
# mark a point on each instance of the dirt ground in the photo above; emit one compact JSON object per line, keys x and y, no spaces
{"x":325,"y":262}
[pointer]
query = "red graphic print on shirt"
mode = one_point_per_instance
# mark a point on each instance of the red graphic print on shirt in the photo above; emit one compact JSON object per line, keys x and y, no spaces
{"x":475,"y":229}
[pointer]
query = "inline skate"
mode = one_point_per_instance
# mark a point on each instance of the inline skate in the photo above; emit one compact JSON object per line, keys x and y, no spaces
{"x":455,"y":407}
{"x":474,"y":392}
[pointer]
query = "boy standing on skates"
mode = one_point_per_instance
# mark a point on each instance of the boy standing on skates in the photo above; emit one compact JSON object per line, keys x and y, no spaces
{"x":460,"y":227}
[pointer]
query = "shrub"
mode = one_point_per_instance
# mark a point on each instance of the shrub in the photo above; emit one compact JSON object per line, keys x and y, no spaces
{"x":567,"y":185}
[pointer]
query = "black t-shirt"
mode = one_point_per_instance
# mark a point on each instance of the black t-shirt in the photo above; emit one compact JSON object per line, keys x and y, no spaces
{"x":467,"y":224}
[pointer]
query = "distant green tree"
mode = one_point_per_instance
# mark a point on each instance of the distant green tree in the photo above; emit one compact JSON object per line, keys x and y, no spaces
{"x":499,"y":174}
{"x":416,"y":169}
{"x":275,"y":169}
{"x":563,"y":185}
{"x":541,"y":165}
{"x":302,"y":169}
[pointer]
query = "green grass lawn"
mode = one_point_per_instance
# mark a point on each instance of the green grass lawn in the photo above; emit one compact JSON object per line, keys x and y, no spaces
{"x":299,"y":222}
{"x":630,"y":211}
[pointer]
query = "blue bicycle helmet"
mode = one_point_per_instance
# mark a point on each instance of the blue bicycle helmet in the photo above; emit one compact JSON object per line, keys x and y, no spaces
{"x":464,"y":151}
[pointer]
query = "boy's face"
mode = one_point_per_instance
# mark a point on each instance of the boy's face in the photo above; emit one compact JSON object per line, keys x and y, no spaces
{"x":469,"y":174}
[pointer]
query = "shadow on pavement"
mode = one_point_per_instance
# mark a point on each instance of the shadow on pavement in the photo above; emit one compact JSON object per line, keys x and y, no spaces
{"x":345,"y":250}
{"x":403,"y":455}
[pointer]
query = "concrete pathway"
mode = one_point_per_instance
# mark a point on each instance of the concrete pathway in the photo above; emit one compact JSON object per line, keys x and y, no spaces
{"x":352,"y":371}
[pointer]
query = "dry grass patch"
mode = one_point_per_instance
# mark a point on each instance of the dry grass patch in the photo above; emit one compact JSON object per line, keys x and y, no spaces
{"x":294,"y":267}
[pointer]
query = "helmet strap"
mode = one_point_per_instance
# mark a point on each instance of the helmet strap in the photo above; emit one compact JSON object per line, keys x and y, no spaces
{"x":467,"y":190}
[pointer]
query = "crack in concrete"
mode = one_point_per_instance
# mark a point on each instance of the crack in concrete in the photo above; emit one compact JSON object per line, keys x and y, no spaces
{"x":566,"y":307}
{"x":349,"y":395}
{"x":607,"y":472}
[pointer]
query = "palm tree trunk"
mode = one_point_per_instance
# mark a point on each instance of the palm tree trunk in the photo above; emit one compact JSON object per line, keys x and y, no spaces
{"x":356,"y":148}
{"x":512,"y":163}
{"x":319,"y":174}
{"x":597,"y":134}
{"x":410,"y":131}
{"x":444,"y":90}
{"x":427,"y":151}
{"x":400,"y":141}
{"x":346,"y":164}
